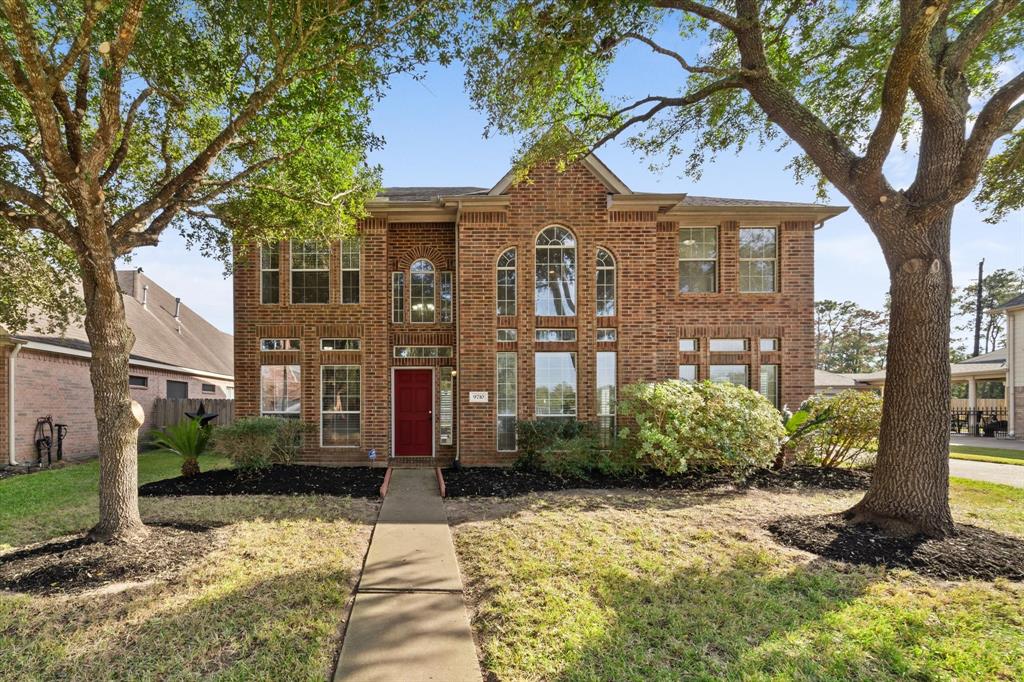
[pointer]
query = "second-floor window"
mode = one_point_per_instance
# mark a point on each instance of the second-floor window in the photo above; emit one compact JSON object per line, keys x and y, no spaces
{"x":605,"y":284}
{"x":698,"y":259}
{"x":446,"y":297}
{"x":555,"y":282}
{"x":506,"y":278}
{"x":311,"y":276}
{"x":421,"y":291}
{"x":350,"y":270}
{"x":270,"y":270}
{"x":758,"y":259}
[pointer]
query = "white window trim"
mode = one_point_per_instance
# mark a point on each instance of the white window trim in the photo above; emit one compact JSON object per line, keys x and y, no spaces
{"x":515,"y":402}
{"x":745,"y":349}
{"x":358,"y":348}
{"x":395,"y":277}
{"x":276,"y":413}
{"x":439,"y":313}
{"x":774,"y":261}
{"x":576,"y":393}
{"x":395,"y":354}
{"x":320,"y":397}
{"x":434,"y":286}
{"x":614,"y":334}
{"x":266,"y":269}
{"x":342,"y":270}
{"x":715,"y":260}
{"x":615,"y":280}
{"x":280,"y":350}
{"x":292,"y":268}
{"x":560,"y":330}
{"x":515,"y":289}
{"x":576,"y":258}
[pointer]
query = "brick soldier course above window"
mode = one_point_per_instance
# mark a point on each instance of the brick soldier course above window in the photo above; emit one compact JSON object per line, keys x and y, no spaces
{"x":453,"y":313}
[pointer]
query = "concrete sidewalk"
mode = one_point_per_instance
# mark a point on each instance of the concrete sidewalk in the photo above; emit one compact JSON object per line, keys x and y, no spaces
{"x":409,"y":619}
{"x":991,"y":472}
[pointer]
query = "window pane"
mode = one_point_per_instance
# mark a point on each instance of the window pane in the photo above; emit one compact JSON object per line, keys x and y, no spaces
{"x":398,"y":297}
{"x":767,"y":345}
{"x":758,"y":259}
{"x":606,"y":334}
{"x":698,"y":243}
{"x":506,"y":401}
{"x":727,"y":345}
{"x":555,"y":335}
{"x":688,"y":373}
{"x":350,"y":270}
{"x":339,"y":344}
{"x":606,"y":383}
{"x":555,"y":383}
{"x":423,"y":351}
{"x":757,"y":276}
{"x":280,"y":390}
{"x":340,"y":405}
{"x":605,"y":284}
{"x":733,"y":374}
{"x":446,"y":297}
{"x":310,"y":286}
{"x":422,"y":291}
{"x":507,"y":335}
{"x":555,"y":281}
{"x":757,"y":242}
{"x":270,"y":280}
{"x":506,"y":282}
{"x":769,"y":386}
{"x":696,"y":276}
{"x":446,"y":419}
{"x":687,"y":345}
{"x":279,"y":344}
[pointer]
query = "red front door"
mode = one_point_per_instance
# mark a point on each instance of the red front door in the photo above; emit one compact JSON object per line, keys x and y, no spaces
{"x":414,"y":412}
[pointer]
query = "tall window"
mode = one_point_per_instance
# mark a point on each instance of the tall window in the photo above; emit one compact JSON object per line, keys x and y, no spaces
{"x":698,"y":259}
{"x":350,"y":270}
{"x":280,"y":391}
{"x":506,"y":399}
{"x":446,"y":402}
{"x":606,"y":396}
{"x":555,"y":384}
{"x":733,"y":374}
{"x":605,"y":284}
{"x":770,"y":383}
{"x":446,"y":297}
{"x":422,"y":291}
{"x":310,"y":272}
{"x":758,"y":259}
{"x":398,"y":297}
{"x":339,"y":405}
{"x":507,"y":283}
{"x":688,"y":373}
{"x":270,"y":271}
{"x":555,"y":282}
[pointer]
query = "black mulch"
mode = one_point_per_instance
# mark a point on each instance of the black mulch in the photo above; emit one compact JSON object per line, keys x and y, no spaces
{"x":972,"y":553}
{"x":499,"y":482}
{"x":74,"y":564}
{"x":282,"y":479}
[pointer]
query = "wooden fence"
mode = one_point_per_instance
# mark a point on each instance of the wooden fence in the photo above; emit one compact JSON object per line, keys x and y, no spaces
{"x":168,"y":411}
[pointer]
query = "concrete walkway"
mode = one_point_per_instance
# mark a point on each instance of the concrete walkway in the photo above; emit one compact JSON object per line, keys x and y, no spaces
{"x":978,"y":441}
{"x":991,"y":472}
{"x":409,"y":619}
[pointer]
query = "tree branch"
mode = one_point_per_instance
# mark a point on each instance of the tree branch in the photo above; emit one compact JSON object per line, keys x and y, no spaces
{"x":959,"y":51}
{"x":81,"y":42}
{"x":676,"y":56}
{"x":122,"y":147}
{"x":710,"y":13}
{"x":54,"y":222}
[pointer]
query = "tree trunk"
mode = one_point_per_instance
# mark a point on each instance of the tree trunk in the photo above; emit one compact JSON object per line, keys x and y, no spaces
{"x":118,"y":417}
{"x":909,"y":490}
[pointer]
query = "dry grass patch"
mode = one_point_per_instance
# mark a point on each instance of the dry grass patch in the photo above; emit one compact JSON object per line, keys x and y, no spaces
{"x":685,"y":585}
{"x":266,"y":605}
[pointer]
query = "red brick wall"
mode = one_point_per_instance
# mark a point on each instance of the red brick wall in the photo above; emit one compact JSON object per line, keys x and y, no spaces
{"x":5,"y":352}
{"x":59,"y":386}
{"x":651,"y":314}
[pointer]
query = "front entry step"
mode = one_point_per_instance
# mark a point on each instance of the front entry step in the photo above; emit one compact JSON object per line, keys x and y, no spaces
{"x":420,"y":462}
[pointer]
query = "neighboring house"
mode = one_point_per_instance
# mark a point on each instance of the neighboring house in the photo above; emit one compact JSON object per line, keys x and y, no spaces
{"x":832,"y":383}
{"x":177,"y":354}
{"x":457,"y":312}
{"x":1014,"y":309}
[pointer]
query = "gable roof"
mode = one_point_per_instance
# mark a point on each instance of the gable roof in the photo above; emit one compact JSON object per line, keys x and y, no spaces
{"x":187,"y":342}
{"x":602,"y":172}
{"x":1015,"y":302}
{"x":426,"y":193}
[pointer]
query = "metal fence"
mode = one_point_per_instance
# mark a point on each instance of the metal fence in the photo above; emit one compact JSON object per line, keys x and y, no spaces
{"x":168,"y":411}
{"x":989,"y":421}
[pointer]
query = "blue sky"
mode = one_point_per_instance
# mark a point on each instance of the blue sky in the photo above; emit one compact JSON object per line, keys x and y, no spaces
{"x":434,"y":137}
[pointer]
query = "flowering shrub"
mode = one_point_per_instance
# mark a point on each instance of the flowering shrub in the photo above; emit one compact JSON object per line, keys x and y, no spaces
{"x":682,"y":426}
{"x":846,"y":436}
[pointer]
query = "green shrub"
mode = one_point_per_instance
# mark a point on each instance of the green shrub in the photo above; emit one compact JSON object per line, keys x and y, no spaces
{"x":708,"y":426}
{"x":255,"y":443}
{"x":847,"y":435}
{"x":188,"y":438}
{"x":566,"y":448}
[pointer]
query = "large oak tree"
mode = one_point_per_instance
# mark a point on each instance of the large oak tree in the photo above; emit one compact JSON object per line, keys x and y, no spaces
{"x":846,"y":81}
{"x":235,"y":121}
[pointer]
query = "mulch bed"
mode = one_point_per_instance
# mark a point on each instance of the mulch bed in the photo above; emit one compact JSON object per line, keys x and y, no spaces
{"x":501,"y":482}
{"x":282,"y":479}
{"x":74,"y":564}
{"x":972,"y":553}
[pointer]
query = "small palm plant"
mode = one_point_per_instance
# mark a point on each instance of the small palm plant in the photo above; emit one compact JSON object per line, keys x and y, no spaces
{"x":187,"y":438}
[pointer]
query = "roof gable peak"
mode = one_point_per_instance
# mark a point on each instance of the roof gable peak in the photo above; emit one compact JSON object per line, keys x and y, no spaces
{"x":612,"y":182}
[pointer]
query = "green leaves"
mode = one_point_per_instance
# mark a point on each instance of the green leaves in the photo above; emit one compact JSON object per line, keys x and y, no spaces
{"x":39,"y":285}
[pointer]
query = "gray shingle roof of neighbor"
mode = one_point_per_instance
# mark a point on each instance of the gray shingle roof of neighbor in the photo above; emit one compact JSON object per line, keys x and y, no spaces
{"x":427,"y":193}
{"x":1014,"y":302}
{"x":190,"y":342}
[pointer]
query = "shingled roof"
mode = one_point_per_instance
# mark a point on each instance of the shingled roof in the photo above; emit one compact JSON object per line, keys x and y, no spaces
{"x":426,"y":193}
{"x":188,"y":342}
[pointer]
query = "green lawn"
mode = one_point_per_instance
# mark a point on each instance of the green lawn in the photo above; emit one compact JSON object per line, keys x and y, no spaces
{"x":266,"y":604}
{"x":46,"y":504}
{"x":669,"y":586}
{"x":999,"y":455}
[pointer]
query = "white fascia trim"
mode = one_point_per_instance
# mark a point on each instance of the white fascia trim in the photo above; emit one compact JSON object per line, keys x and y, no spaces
{"x":61,"y":350}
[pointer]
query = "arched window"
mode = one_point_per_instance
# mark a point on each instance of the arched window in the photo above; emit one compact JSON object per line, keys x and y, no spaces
{"x":421,"y":291}
{"x":555,"y":281}
{"x":507,"y":283}
{"x":605,"y":284}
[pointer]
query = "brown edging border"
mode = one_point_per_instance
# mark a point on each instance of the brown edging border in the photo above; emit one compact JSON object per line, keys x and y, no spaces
{"x":386,"y":483}
{"x":440,"y":481}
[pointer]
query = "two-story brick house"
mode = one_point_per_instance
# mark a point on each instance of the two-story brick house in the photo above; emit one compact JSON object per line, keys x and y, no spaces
{"x":458,"y":311}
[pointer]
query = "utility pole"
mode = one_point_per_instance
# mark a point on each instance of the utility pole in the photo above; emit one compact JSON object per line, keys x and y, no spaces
{"x":977,"y":312}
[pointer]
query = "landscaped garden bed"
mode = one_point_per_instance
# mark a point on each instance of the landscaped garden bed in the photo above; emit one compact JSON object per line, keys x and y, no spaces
{"x":279,"y":479}
{"x":503,"y":482}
